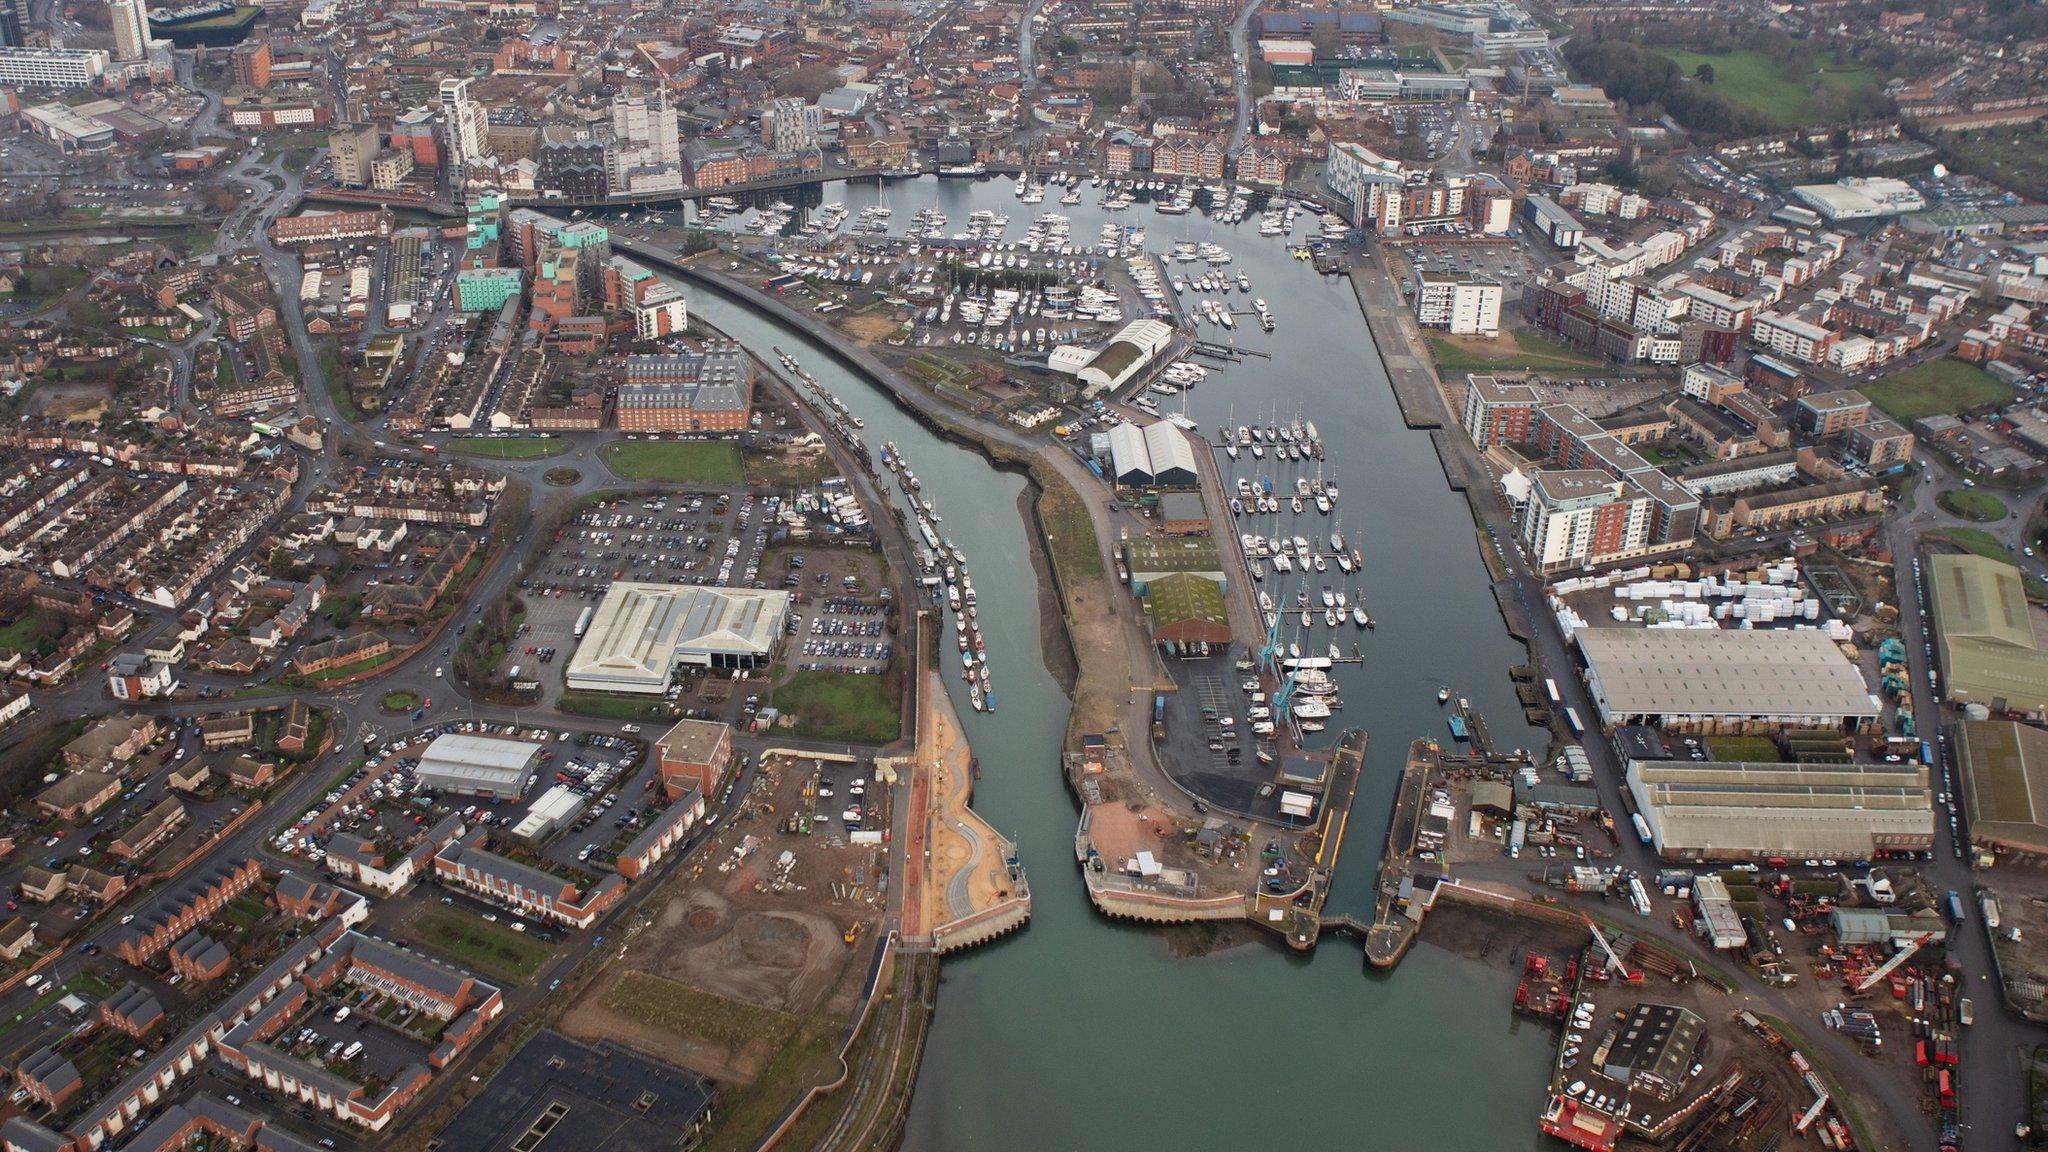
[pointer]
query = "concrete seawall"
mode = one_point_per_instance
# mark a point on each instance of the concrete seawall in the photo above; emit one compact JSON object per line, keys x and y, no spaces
{"x":1153,"y":908}
{"x":982,"y":927}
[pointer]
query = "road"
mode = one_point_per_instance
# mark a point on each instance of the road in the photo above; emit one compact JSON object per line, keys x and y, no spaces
{"x":1240,"y":55}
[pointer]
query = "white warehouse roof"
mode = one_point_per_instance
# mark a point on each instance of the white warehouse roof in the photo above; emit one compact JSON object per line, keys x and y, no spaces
{"x":642,"y":631}
{"x":1765,"y":674}
{"x":477,"y":764}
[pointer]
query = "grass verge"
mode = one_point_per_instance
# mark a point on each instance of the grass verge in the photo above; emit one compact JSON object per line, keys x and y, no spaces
{"x":1972,"y":504}
{"x":530,"y":448}
{"x":1069,"y":532}
{"x":611,"y":707}
{"x":1985,"y":544}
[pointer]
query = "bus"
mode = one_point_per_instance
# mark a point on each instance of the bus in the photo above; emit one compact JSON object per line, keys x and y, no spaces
{"x":1571,"y":721}
{"x":1550,"y":686}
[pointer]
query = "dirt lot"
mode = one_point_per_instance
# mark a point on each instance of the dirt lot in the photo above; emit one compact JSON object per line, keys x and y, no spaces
{"x":740,"y":952}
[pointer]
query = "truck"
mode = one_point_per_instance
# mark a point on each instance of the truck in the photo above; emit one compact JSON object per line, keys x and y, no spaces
{"x":1158,"y":716}
{"x":1954,"y":904}
{"x":1966,"y":1012}
{"x":1988,"y":905}
{"x":583,"y":621}
{"x":1550,"y":687}
{"x":1638,"y":897}
{"x":1642,"y":827}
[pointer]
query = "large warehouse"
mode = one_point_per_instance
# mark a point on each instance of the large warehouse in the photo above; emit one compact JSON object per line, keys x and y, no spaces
{"x":1126,"y":354}
{"x":1724,"y":680}
{"x":1154,"y":456}
{"x":1709,"y":810}
{"x":478,"y":765}
{"x":642,"y":631}
{"x":1989,"y":652}
{"x":2005,"y":784}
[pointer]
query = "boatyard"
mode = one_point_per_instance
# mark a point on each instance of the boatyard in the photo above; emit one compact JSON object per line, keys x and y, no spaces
{"x":1144,"y":856}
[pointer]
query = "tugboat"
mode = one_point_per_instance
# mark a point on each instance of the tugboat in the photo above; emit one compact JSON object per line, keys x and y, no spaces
{"x":1443,"y":696}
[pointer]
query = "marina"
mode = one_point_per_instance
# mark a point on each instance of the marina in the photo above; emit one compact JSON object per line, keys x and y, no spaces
{"x":1431,"y":603}
{"x":942,"y":564}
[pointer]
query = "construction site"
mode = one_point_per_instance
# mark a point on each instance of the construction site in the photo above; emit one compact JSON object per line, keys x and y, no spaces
{"x":758,"y":933}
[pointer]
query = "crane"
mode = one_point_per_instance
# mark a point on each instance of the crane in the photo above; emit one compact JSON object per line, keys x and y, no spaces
{"x":1885,"y":969}
{"x":1613,"y":960}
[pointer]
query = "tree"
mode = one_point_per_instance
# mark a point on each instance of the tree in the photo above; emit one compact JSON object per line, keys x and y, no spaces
{"x":1067,"y":46}
{"x":1704,"y":73}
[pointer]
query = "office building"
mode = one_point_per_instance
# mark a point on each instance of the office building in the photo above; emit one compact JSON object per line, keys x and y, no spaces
{"x":52,"y":67}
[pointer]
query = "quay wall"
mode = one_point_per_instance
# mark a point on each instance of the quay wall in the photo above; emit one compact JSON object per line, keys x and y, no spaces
{"x":989,"y":924}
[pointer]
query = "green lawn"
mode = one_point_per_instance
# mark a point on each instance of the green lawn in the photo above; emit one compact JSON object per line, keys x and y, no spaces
{"x":1763,"y":85}
{"x":1758,"y":749}
{"x":399,"y":701}
{"x":490,"y":948}
{"x":1938,"y":386}
{"x":1533,"y":354}
{"x":15,"y":636}
{"x":676,"y":461}
{"x":842,"y":706}
{"x":521,"y":449}
{"x":1971,"y":504}
{"x":1985,"y":544}
{"x":1069,"y":531}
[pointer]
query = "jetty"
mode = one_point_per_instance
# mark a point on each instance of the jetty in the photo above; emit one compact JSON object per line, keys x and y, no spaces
{"x":1396,"y":916}
{"x":1297,"y":914}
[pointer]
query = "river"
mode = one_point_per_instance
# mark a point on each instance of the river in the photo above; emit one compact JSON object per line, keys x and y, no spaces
{"x":1083,"y":1034}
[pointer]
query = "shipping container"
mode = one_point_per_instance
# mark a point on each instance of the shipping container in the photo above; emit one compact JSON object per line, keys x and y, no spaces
{"x":1550,"y":686}
{"x":1571,"y":720}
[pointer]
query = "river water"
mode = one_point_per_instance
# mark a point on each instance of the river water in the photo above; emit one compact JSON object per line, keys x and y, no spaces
{"x":1083,"y":1034}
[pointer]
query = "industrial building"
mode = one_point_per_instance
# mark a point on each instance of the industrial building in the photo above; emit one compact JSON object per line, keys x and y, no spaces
{"x":643,"y":631}
{"x":1653,"y":1048}
{"x":1126,"y":354}
{"x":1861,"y":198}
{"x":551,"y":810}
{"x":1724,"y":680}
{"x":1726,"y":810}
{"x":1985,"y":635}
{"x":2005,"y":784}
{"x":478,"y":765}
{"x":1718,"y":921}
{"x":1156,"y":455}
